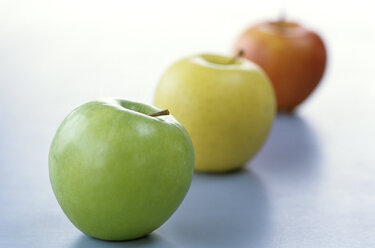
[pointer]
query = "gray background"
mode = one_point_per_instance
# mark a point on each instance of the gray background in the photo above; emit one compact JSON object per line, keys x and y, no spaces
{"x":312,"y":184}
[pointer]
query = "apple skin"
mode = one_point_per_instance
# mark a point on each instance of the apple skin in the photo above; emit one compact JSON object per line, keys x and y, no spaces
{"x":293,"y":56}
{"x":117,"y":173}
{"x":227,"y":106}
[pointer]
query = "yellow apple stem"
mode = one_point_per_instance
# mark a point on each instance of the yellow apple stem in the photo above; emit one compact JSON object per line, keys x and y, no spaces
{"x":160,"y":113}
{"x":238,"y":55}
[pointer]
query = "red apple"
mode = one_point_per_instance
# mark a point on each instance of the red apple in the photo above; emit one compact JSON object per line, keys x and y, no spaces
{"x":293,"y":56}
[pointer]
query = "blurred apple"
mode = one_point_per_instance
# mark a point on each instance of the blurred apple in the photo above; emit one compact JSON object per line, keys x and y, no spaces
{"x":226,"y":104}
{"x":293,"y":56}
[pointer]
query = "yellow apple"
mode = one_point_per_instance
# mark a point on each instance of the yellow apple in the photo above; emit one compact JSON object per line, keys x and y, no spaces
{"x":226,"y":104}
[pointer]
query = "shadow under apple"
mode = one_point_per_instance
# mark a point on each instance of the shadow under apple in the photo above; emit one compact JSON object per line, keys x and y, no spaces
{"x":152,"y":240}
{"x":291,"y":153}
{"x":221,"y":210}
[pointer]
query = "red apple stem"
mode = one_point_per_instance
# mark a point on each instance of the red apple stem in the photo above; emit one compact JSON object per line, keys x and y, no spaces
{"x":160,"y":113}
{"x":282,"y":21}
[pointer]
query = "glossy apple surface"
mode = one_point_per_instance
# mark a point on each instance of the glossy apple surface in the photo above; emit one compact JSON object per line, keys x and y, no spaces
{"x":227,"y":106}
{"x":293,"y":56}
{"x":118,"y":173}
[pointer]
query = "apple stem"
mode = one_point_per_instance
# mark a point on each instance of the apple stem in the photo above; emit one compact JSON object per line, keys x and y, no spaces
{"x":239,"y":54}
{"x":282,"y":21}
{"x":160,"y":113}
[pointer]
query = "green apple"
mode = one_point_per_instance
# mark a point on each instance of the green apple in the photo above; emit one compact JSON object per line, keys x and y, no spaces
{"x":226,"y":104}
{"x":117,"y":170}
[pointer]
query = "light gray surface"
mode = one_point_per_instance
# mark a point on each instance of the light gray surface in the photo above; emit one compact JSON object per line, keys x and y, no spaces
{"x":298,"y":192}
{"x":313,"y":183}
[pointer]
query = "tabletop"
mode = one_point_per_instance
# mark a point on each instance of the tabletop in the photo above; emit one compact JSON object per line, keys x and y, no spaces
{"x":312,"y":184}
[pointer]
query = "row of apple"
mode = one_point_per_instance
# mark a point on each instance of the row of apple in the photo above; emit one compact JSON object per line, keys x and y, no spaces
{"x":119,"y":169}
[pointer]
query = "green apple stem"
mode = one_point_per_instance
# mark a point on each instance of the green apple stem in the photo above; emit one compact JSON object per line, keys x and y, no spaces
{"x":160,"y":113}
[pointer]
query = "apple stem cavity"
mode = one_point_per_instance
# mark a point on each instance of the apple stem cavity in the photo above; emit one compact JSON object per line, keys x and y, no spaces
{"x":160,"y":113}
